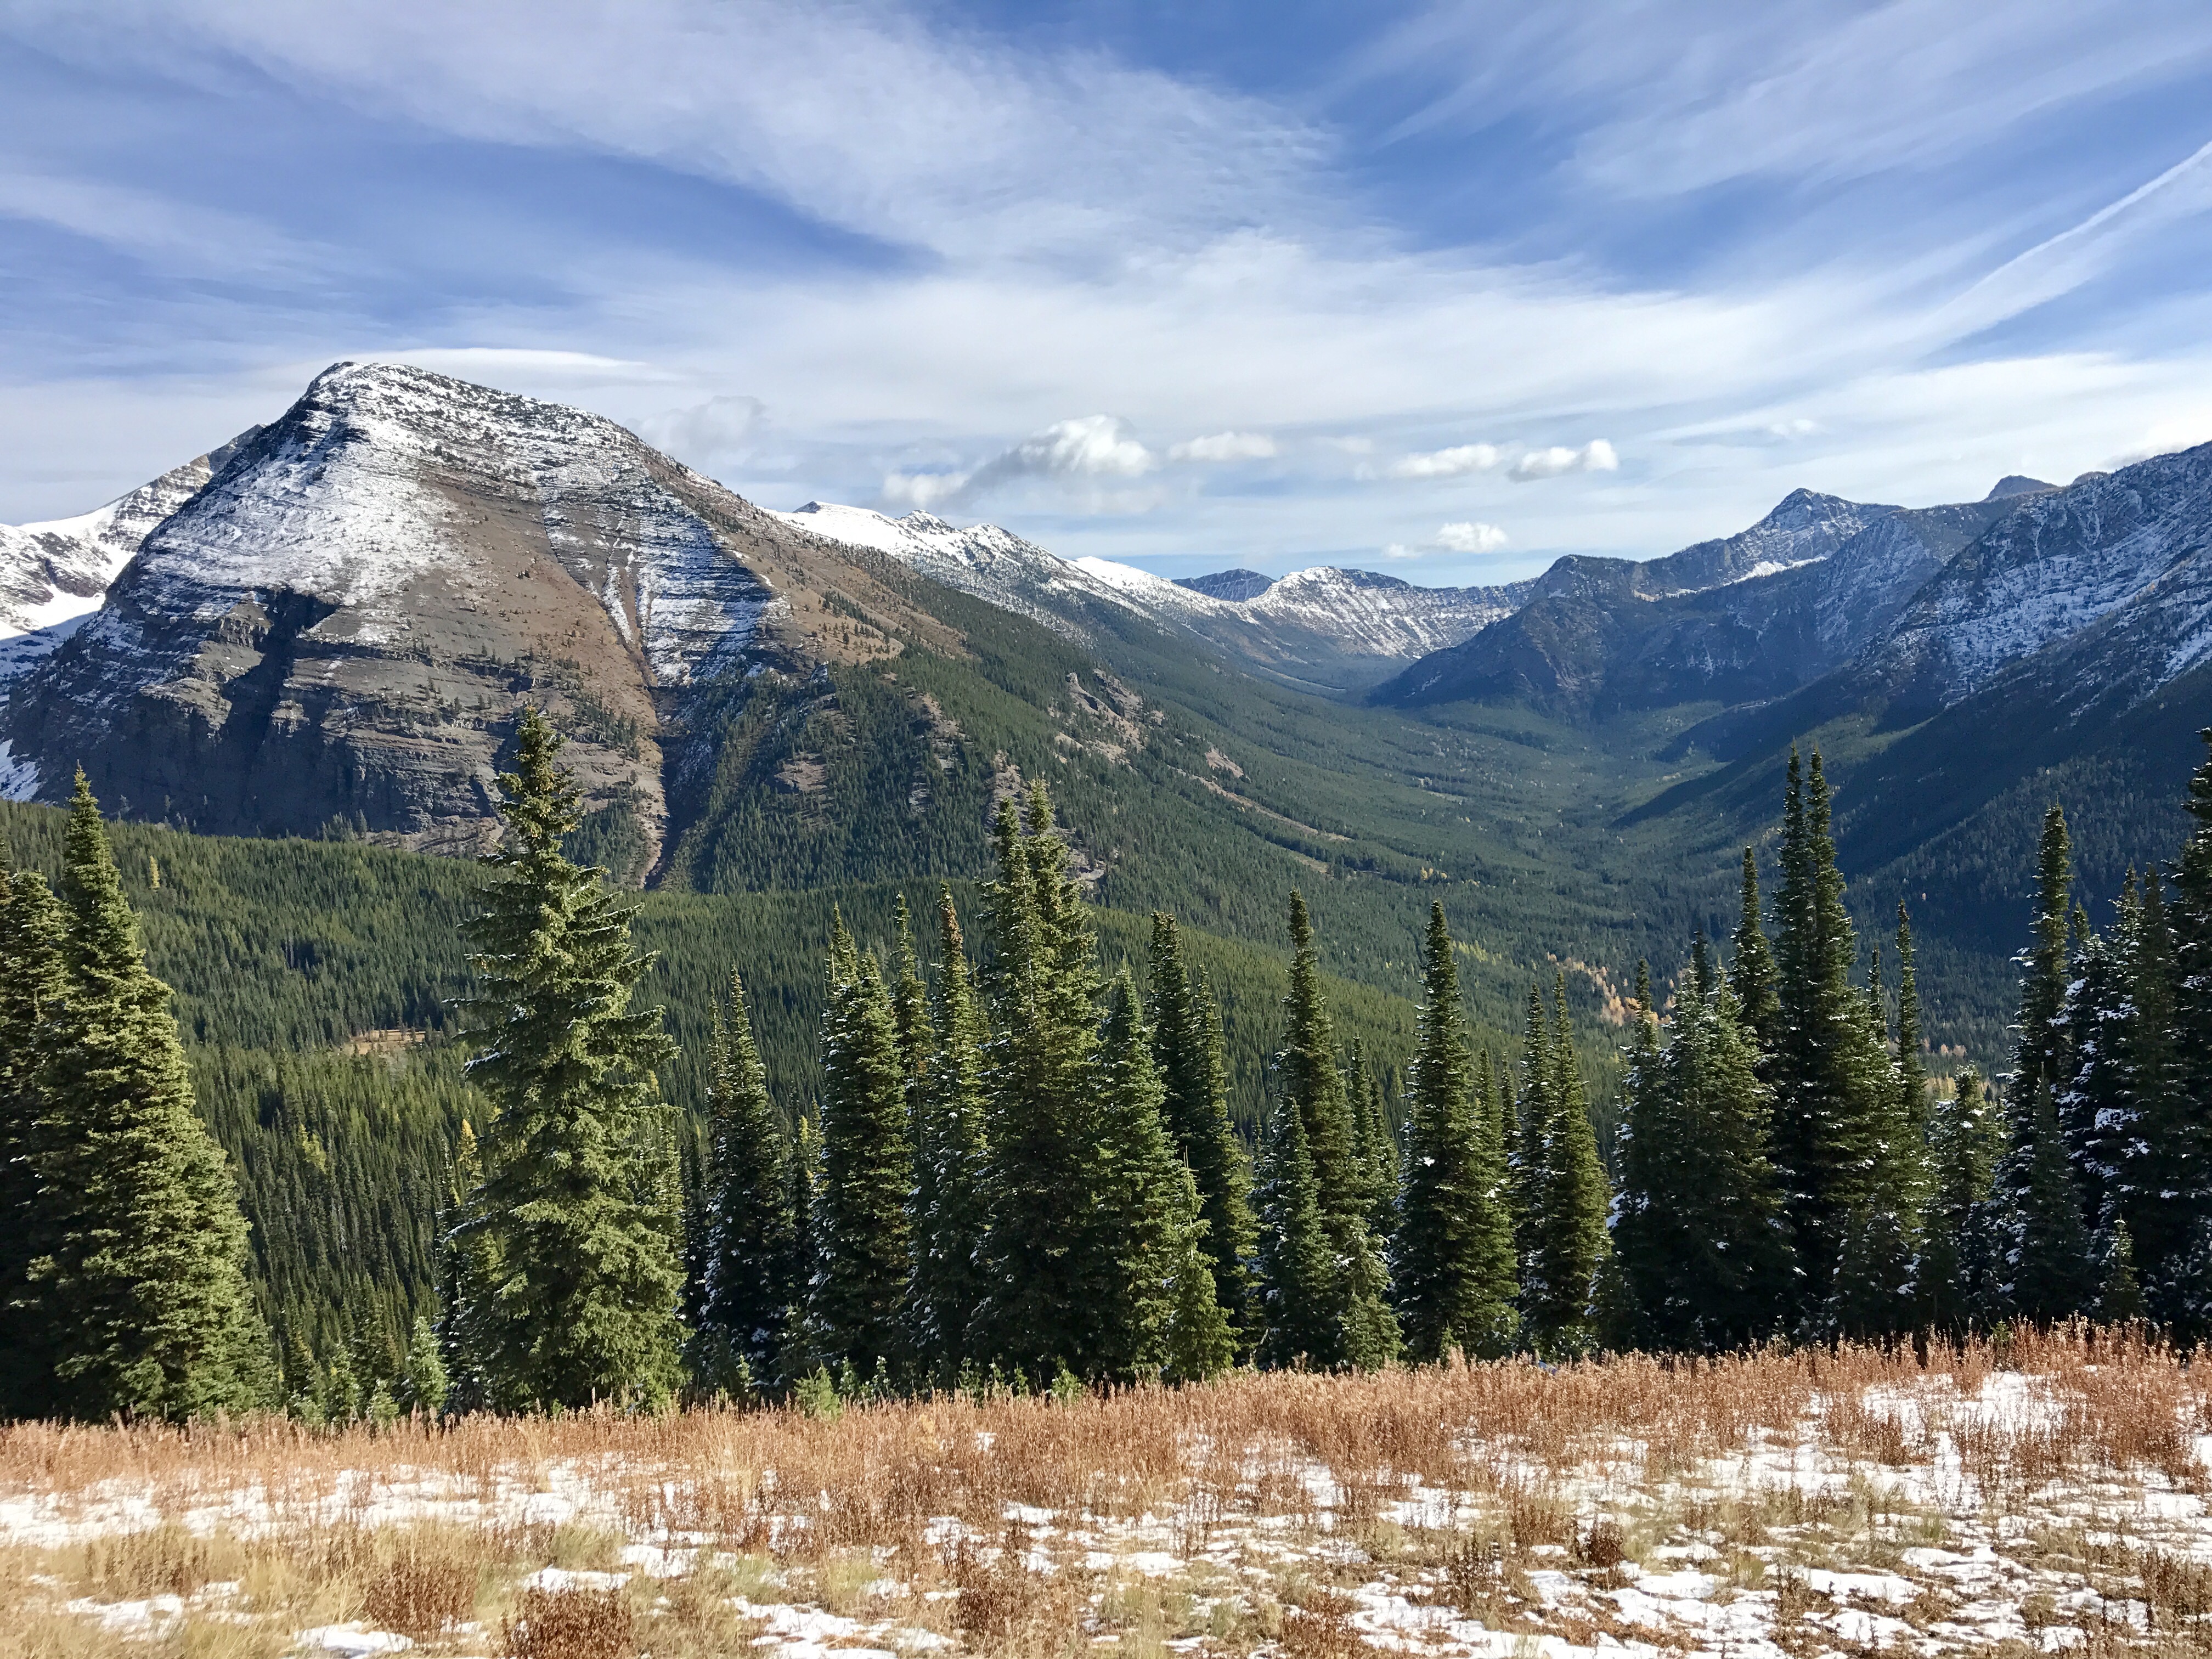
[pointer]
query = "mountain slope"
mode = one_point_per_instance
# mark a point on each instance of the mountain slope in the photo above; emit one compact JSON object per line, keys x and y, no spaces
{"x":340,"y":624}
{"x":1747,"y":615}
{"x":53,"y":574}
{"x":1323,"y":628}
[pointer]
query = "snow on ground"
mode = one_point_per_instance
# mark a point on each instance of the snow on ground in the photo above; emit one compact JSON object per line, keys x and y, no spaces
{"x":1785,"y":1547}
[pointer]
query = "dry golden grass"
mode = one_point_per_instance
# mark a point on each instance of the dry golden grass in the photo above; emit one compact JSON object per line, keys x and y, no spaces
{"x":262,"y":1526}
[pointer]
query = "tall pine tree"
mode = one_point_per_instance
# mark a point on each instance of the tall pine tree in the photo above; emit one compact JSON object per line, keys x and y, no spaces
{"x":144,"y":1294}
{"x":1194,"y":1069}
{"x":949,"y":1286}
{"x":864,"y":1250}
{"x":31,"y":986}
{"x":1312,"y":1083}
{"x":1453,"y":1259}
{"x":1567,"y":1224}
{"x":2184,"y":1295}
{"x":750,"y":1266}
{"x":580,"y":1195}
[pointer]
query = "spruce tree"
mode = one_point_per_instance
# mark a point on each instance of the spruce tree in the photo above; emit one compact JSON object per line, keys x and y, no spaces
{"x":2182,"y":1296}
{"x":1836,"y":1088}
{"x":1044,"y":981}
{"x":1189,"y":1051}
{"x":1312,"y":1083}
{"x":468,"y":1273}
{"x":1298,"y":1271}
{"x":1961,"y":1252}
{"x":1569,"y":1225}
{"x":1529,"y":1132}
{"x":145,"y":1292}
{"x":949,"y":1159}
{"x":1372,"y":1143}
{"x":1876,"y":1289}
{"x":1141,"y":1224}
{"x":1452,"y":1260}
{"x":1202,"y":1343}
{"x":749,"y":1276}
{"x":2040,"y":1054}
{"x":1701,"y":1257}
{"x":864,"y":1251}
{"x":2047,"y":1269}
{"x":580,"y":1195}
{"x":31,"y":986}
{"x":1754,"y":975}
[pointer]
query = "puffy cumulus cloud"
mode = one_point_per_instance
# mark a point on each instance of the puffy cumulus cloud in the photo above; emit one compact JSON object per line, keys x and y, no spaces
{"x":1595,"y":456}
{"x":1091,"y":448}
{"x":1470,"y":537}
{"x":1225,"y":447}
{"x":720,"y":427}
{"x":1446,"y":463}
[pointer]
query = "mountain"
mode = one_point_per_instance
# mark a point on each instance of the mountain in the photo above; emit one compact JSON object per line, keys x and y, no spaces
{"x":1324,"y":628}
{"x":2015,"y":484}
{"x":338,"y":623}
{"x":1748,"y":616}
{"x":53,"y":574}
{"x":2080,"y":602}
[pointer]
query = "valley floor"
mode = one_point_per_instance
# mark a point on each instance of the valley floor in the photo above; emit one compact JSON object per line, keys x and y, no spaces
{"x":2045,"y":1496}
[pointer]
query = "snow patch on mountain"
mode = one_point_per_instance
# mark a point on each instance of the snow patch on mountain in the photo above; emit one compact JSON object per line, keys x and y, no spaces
{"x":19,"y":780}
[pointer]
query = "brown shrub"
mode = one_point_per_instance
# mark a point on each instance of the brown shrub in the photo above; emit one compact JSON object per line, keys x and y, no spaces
{"x":571,"y":1625}
{"x":420,"y":1595}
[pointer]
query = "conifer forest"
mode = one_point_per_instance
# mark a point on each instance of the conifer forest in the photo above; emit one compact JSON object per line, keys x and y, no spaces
{"x":1016,"y":1168}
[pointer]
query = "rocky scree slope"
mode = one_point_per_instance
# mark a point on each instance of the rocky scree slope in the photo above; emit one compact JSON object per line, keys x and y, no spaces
{"x":340,"y":626}
{"x":1324,"y":629}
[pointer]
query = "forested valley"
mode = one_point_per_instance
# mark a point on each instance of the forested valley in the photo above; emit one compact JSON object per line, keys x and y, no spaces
{"x":535,"y":1144}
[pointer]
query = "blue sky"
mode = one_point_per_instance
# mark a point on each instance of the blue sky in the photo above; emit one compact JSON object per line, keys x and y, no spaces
{"x":1442,"y":290}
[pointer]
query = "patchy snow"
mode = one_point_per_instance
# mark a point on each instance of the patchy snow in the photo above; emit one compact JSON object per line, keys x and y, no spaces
{"x":19,"y":780}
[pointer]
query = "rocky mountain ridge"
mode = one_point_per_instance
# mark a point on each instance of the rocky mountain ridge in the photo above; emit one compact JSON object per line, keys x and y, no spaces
{"x":336,"y":626}
{"x":1322,"y":628}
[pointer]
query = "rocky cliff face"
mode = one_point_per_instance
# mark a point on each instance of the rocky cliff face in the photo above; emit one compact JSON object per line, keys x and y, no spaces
{"x":336,"y":631}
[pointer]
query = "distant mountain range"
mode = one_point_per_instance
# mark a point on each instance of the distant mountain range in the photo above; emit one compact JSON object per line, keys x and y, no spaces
{"x":1322,"y":628}
{"x":326,"y":627}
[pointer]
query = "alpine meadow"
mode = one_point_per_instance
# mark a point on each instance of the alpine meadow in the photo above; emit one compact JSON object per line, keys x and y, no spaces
{"x":1264,"y":834}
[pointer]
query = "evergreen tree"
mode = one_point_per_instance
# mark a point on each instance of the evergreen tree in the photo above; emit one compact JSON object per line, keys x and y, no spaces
{"x":1201,"y":1344}
{"x":468,"y":1273}
{"x":1875,"y":1290}
{"x":2046,"y":1266}
{"x":805,"y":1347}
{"x":2119,"y":1297}
{"x":1911,"y":1069}
{"x":1189,"y":1052}
{"x":1298,"y":1271}
{"x":1960,"y":1257}
{"x":1044,"y":978}
{"x":1754,"y":977}
{"x":865,"y":1260}
{"x":1569,"y":1224}
{"x":144,"y":1294}
{"x":1453,"y":1259}
{"x":1312,"y":1083}
{"x":31,"y":986}
{"x":750,"y":1269}
{"x":1836,"y":1087}
{"x":2183,"y":1231}
{"x":1141,"y":1225}
{"x":1703,"y":1261}
{"x":950,"y":1159}
{"x":423,"y":1384}
{"x":2040,"y":1052}
{"x":1528,"y":1133}
{"x":580,"y":1194}
{"x":917,"y":1037}
{"x":1372,"y":1144}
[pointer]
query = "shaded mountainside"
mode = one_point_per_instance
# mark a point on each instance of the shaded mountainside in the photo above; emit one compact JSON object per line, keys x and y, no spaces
{"x":1750,"y":615}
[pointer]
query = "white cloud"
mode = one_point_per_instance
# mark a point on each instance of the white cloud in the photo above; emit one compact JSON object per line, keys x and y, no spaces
{"x":1400,"y":550}
{"x":2164,"y":439}
{"x":1451,"y":463}
{"x":1472,"y":536}
{"x":1225,"y":447}
{"x":719,"y":428}
{"x":1093,"y":449}
{"x":1595,"y":456}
